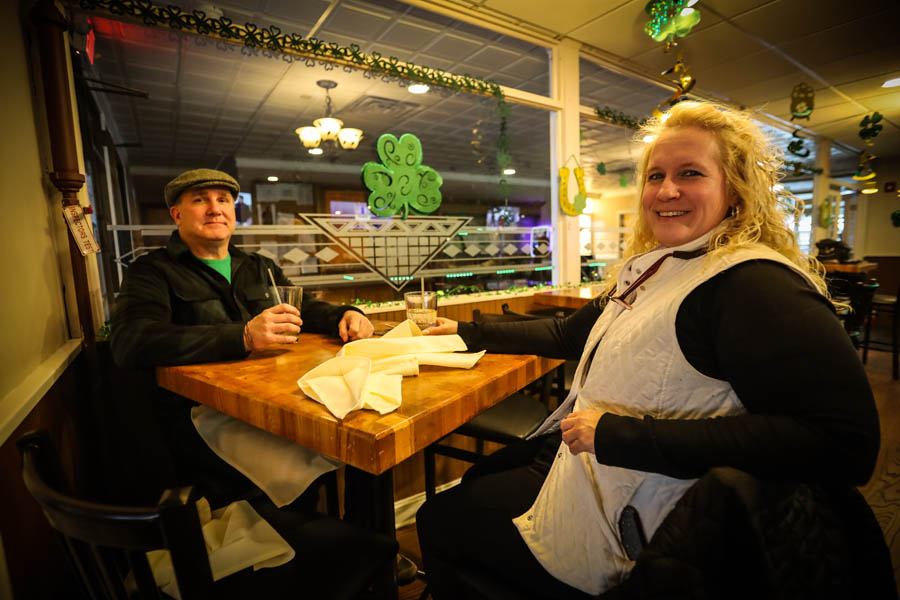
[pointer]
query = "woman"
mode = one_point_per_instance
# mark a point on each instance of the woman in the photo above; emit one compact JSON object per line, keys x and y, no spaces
{"x":719,"y":347}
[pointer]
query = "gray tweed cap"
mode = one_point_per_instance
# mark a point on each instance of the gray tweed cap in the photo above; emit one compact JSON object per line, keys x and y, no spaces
{"x":199,"y":178}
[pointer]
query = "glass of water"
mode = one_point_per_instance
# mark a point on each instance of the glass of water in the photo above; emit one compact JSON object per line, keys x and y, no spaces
{"x":421,"y":308}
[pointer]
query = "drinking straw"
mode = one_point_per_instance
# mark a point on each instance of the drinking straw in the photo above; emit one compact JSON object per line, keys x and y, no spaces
{"x":274,"y":286}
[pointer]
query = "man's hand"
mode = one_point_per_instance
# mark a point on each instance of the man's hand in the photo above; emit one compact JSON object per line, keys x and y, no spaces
{"x":442,"y":326}
{"x":578,"y":430}
{"x":279,"y":324}
{"x":354,"y":326}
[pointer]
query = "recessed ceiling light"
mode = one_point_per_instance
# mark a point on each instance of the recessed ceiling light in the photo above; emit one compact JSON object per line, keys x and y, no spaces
{"x":509,"y":171}
{"x":869,"y":190}
{"x":648,"y":138}
{"x":891,"y":82}
{"x":315,"y":151}
{"x":272,"y":178}
{"x":417,"y":88}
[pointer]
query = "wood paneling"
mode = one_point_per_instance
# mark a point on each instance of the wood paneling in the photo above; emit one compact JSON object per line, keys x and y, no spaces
{"x":35,"y":559}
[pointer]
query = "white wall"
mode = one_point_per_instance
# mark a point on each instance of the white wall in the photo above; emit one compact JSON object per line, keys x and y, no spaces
{"x":34,"y":263}
{"x":881,"y":238}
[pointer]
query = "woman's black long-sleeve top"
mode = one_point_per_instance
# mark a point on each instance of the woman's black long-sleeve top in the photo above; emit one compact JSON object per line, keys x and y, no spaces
{"x":759,"y":326}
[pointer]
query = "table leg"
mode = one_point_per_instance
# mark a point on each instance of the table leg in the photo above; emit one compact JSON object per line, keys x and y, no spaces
{"x":370,"y":503}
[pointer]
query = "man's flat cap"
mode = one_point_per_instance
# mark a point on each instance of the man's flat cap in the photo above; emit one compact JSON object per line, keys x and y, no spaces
{"x":199,"y":178}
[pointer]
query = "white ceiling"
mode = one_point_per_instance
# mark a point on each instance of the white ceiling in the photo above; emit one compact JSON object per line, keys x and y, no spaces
{"x":753,"y":52}
{"x":212,"y":104}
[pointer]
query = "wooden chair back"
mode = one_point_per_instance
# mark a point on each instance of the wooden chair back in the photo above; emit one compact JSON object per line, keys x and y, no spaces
{"x":105,"y":542}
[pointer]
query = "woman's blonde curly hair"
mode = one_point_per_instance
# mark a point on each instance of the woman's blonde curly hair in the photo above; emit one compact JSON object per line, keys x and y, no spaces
{"x":752,"y":169}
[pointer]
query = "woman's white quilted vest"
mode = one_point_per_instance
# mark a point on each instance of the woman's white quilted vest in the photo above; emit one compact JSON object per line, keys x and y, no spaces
{"x":638,"y":370}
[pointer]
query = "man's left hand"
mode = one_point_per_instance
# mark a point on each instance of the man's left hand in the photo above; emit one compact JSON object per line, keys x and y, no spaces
{"x":578,"y":430}
{"x":354,"y":326}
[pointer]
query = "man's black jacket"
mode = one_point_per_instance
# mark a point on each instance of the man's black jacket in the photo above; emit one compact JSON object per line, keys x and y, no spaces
{"x":173,"y":309}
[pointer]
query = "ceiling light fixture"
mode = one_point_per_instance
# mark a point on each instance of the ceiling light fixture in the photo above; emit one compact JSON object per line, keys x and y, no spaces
{"x":891,"y":82}
{"x":315,"y":151}
{"x":509,"y":171}
{"x":272,"y":178}
{"x":869,"y":190}
{"x":417,"y":88}
{"x":328,"y":128}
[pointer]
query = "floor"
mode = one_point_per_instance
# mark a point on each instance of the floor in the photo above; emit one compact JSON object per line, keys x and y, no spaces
{"x":882,"y":491}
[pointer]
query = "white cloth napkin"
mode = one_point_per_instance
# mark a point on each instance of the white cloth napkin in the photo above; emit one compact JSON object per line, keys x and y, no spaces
{"x":368,"y":373}
{"x":280,"y":468}
{"x":236,"y":538}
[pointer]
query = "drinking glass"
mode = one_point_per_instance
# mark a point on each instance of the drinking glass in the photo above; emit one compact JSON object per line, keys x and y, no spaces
{"x":291,"y":294}
{"x":421,"y":308}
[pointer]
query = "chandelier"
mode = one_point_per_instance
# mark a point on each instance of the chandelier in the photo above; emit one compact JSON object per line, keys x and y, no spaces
{"x":328,"y":128}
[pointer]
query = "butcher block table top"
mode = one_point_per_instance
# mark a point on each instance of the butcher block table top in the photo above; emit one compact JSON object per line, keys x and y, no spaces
{"x":262,"y":390}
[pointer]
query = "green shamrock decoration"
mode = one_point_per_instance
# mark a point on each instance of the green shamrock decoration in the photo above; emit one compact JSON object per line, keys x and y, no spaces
{"x":402,"y":182}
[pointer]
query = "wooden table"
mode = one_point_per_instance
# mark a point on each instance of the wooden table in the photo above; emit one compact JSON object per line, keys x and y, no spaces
{"x":262,"y":390}
{"x":568,"y":298}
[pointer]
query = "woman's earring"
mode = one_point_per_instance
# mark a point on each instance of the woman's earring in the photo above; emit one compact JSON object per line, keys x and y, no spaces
{"x":734,"y":211}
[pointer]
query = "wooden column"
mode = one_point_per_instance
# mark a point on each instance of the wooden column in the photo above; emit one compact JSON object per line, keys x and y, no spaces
{"x":51,"y":26}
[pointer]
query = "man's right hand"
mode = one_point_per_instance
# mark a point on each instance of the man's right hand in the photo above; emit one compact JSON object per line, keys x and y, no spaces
{"x":279,"y":324}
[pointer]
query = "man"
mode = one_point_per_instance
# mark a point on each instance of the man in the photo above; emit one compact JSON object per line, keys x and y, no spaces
{"x":201,"y":299}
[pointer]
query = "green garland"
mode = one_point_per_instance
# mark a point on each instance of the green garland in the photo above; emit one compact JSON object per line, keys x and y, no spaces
{"x":272,"y":39}
{"x":615,"y":117}
{"x":463,"y":290}
{"x":801,"y":169}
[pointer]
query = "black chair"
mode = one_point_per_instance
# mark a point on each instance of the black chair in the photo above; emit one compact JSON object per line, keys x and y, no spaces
{"x":884,"y":305}
{"x":511,"y":420}
{"x":105,"y":543}
{"x":859,"y":296}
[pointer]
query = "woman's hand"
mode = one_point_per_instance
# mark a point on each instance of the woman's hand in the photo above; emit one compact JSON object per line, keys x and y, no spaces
{"x":578,"y":430}
{"x":442,"y":327}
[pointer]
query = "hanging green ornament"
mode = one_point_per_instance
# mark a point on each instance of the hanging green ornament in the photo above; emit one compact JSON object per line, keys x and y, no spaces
{"x":895,"y":218}
{"x":670,"y":18}
{"x":802,"y":101}
{"x":623,"y":180}
{"x":601,"y":168}
{"x":797,"y":146}
{"x":870,"y":127}
{"x":684,"y":82}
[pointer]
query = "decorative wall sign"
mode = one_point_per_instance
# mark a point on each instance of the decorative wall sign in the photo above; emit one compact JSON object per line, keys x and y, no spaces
{"x":402,"y":181}
{"x":802,"y":101}
{"x":395,"y":249}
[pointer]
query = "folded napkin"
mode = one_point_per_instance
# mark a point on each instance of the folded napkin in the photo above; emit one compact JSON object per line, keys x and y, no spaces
{"x":236,"y":538}
{"x":368,"y":373}
{"x":280,"y":468}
